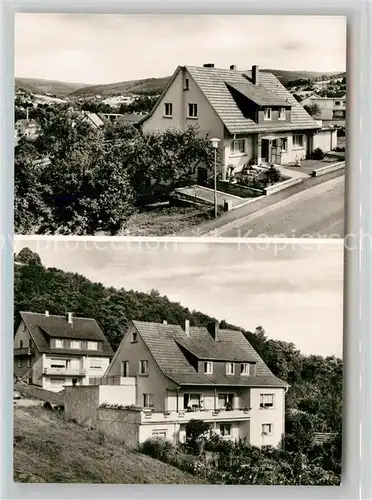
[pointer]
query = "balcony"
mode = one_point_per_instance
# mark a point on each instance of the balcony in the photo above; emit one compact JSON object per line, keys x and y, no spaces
{"x":23,"y":351}
{"x":183,"y":416}
{"x":68,"y":372}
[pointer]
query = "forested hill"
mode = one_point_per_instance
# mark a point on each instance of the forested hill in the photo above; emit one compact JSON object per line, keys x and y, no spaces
{"x":316,"y":382}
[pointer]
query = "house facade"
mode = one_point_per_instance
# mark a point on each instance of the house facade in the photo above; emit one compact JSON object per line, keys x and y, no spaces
{"x":215,"y":375}
{"x":332,"y":109}
{"x":54,"y":351}
{"x":252,"y":114}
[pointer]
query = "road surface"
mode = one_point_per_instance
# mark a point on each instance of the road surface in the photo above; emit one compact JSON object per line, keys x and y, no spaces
{"x":316,"y":212}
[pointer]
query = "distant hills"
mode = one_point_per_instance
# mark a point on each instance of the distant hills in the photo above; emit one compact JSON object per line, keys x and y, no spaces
{"x":141,"y":86}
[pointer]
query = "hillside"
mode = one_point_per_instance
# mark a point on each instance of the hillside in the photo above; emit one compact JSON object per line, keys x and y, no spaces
{"x":286,"y":76}
{"x":49,"y":450}
{"x":146,"y":85}
{"x":39,"y":86}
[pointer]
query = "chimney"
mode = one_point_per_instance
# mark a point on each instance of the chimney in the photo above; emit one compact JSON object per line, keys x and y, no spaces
{"x":69,"y":318}
{"x":208,"y":65}
{"x":214,"y":330}
{"x":233,"y":66}
{"x":187,"y":327}
{"x":255,"y":74}
{"x":165,"y":322}
{"x":47,"y":314}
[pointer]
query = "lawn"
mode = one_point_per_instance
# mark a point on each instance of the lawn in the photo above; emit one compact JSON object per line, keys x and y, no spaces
{"x":49,"y":450}
{"x":166,"y":220}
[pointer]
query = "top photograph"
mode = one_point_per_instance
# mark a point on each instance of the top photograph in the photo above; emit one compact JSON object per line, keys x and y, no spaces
{"x":180,"y":125}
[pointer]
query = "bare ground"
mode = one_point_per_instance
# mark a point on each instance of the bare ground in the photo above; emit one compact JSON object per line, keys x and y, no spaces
{"x":49,"y":450}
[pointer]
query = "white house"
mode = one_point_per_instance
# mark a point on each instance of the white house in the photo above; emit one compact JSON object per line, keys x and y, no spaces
{"x":332,"y":109}
{"x":251,"y":112}
{"x":169,"y":375}
{"x":54,"y":351}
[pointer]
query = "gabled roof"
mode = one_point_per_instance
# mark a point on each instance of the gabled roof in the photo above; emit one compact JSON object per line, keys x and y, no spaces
{"x":212,"y":82}
{"x":164,"y":341}
{"x":259,"y":94}
{"x":42,"y":328}
{"x":94,"y":118}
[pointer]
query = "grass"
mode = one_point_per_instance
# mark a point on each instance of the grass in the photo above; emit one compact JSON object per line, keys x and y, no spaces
{"x":49,"y":450}
{"x":167,"y":220}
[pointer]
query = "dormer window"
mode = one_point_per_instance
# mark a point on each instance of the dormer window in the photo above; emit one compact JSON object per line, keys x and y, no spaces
{"x":208,"y":367}
{"x":281,"y":113}
{"x":58,"y":343}
{"x":245,"y":369}
{"x":267,"y":114}
{"x":229,"y":368}
{"x":75,"y":344}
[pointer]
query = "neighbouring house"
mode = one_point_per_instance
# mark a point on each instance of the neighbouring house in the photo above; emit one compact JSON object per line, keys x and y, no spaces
{"x":27,"y":128}
{"x":332,"y":109}
{"x":252,"y":114}
{"x":127,"y":118}
{"x":56,"y":351}
{"x":92,"y":119}
{"x":164,"y":375}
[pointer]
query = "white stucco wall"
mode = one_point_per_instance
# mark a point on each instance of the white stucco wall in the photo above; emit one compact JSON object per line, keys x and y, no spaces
{"x":238,"y":160}
{"x":207,"y":122}
{"x":274,"y":416}
{"x":118,"y":394}
{"x":326,"y":140}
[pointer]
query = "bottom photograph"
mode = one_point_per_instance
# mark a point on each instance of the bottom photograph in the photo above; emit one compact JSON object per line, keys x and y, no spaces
{"x":175,"y":362}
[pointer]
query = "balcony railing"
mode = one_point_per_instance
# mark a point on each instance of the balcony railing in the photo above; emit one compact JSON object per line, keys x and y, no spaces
{"x":74,"y":372}
{"x":181,"y":416}
{"x":23,"y":351}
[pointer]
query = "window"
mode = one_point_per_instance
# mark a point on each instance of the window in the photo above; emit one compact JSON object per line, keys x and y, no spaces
{"x":161,"y":433}
{"x":266,"y":400}
{"x":267,"y":429}
{"x":238,"y":146}
{"x":144,"y":367}
{"x":168,"y":109}
{"x":191,"y":401}
{"x":337,"y":103}
{"x":225,"y":429}
{"x":58,"y":363}
{"x":226,"y":401}
{"x":57,"y":381}
{"x":208,"y":367}
{"x":187,"y":84}
{"x":134,"y":337}
{"x":20,"y":344}
{"x":20,"y":363}
{"x":281,"y":113}
{"x":58,"y":343}
{"x":75,"y":344}
{"x":192,"y":111}
{"x":125,"y":368}
{"x":148,"y":400}
{"x":28,"y":363}
{"x":298,"y":141}
{"x":284,"y":141}
{"x":229,"y":368}
{"x":92,"y":346}
{"x":267,"y":114}
{"x":244,"y":369}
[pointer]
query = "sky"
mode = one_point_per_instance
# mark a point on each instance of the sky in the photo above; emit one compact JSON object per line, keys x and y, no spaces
{"x":295,"y":291}
{"x":107,"y":48}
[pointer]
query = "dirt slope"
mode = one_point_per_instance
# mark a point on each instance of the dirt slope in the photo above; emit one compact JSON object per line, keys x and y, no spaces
{"x":46,"y":449}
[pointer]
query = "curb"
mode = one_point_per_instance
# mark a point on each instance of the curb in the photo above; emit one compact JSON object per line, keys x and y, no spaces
{"x":328,"y":169}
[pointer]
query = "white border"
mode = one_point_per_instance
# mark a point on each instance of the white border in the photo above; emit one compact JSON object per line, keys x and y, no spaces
{"x":358,"y":276}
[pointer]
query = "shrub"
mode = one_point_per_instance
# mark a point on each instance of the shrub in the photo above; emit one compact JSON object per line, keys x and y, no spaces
{"x":317,"y":154}
{"x":157,"y":448}
{"x":196,"y":431}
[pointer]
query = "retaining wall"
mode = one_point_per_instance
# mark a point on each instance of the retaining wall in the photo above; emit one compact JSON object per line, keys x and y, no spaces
{"x":120,"y":424}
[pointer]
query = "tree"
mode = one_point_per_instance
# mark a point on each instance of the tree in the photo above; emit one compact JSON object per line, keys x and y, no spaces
{"x":27,"y":256}
{"x":196,"y":434}
{"x":313,"y":109}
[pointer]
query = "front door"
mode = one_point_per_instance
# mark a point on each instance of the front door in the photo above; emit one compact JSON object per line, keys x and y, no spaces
{"x":202,"y":176}
{"x":265,"y":149}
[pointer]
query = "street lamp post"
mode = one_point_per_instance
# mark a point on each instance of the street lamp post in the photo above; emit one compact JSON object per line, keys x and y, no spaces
{"x":215,"y":142}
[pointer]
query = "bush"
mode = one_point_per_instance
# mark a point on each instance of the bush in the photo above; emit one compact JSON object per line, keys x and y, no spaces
{"x":157,"y":448}
{"x":317,"y":154}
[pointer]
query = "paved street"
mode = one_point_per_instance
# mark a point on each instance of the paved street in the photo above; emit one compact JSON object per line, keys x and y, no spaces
{"x":315,"y":212}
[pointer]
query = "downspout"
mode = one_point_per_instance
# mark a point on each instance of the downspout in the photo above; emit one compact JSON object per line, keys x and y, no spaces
{"x":215,"y":399}
{"x":178,"y":393}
